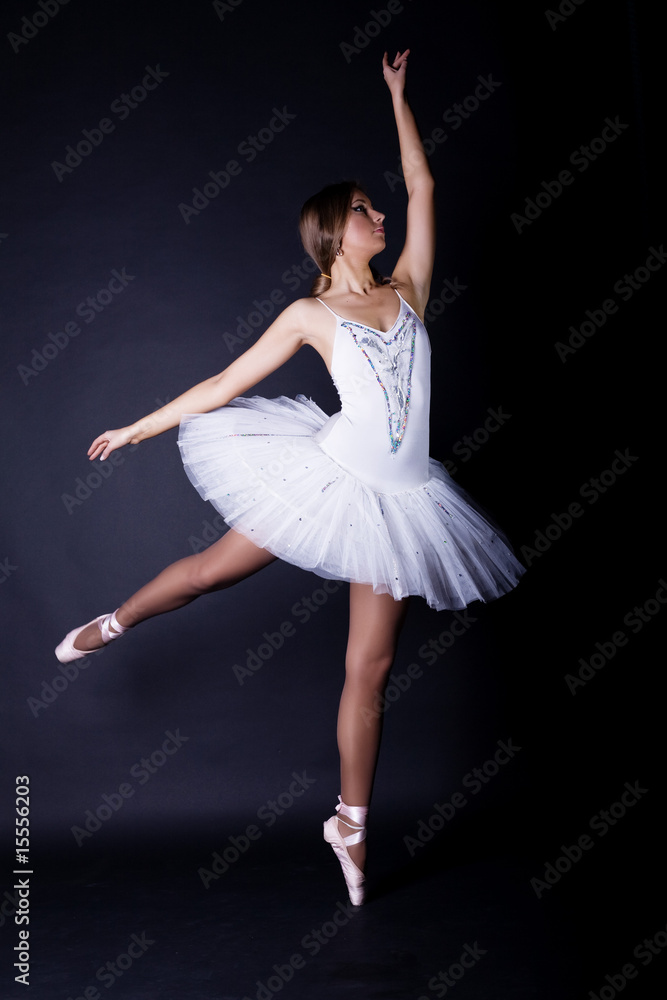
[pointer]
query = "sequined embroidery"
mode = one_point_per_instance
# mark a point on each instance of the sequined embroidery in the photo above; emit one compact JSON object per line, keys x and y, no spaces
{"x":392,"y":361}
{"x":448,"y":512}
{"x":263,"y":434}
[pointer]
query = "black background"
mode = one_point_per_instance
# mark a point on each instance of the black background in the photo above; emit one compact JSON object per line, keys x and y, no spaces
{"x":493,"y":348}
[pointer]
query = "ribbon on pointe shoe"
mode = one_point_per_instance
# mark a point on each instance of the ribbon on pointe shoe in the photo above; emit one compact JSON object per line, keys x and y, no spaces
{"x":354,"y":877}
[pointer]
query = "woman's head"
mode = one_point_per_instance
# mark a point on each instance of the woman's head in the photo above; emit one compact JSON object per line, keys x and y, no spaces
{"x":322,"y":223}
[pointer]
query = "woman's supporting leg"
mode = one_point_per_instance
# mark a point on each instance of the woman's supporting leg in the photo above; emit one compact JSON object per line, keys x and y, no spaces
{"x":375,"y":624}
{"x":226,"y":562}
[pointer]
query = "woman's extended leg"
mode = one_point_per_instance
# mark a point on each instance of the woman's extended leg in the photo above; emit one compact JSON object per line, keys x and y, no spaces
{"x":375,"y":624}
{"x":226,"y":562}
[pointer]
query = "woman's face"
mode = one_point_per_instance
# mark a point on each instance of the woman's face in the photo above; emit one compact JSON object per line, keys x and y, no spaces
{"x":364,"y":230}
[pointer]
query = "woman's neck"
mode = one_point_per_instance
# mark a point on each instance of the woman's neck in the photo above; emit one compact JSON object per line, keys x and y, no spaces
{"x":351,"y":276}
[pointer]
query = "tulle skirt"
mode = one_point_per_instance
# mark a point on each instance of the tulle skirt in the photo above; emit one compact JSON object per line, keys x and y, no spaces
{"x":257,"y":462}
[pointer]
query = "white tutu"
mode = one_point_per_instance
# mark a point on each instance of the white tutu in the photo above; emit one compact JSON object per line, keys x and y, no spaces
{"x":257,"y":462}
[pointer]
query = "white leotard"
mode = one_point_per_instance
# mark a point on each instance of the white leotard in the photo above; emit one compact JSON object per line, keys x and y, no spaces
{"x":380,"y":434}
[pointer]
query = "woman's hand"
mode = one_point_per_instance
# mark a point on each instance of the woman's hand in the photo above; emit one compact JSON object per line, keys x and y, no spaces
{"x":415,"y":265}
{"x":103,"y":445}
{"x":394,"y":73}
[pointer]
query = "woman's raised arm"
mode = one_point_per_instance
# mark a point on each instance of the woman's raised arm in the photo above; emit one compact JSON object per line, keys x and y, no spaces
{"x":276,"y":346}
{"x":415,"y":264}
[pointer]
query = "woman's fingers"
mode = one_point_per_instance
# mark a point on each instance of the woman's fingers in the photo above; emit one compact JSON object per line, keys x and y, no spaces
{"x":399,"y":61}
{"x":104,"y":444}
{"x":94,"y":453}
{"x":97,"y":446}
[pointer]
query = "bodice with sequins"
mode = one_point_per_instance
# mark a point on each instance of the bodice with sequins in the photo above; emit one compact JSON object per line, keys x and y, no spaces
{"x":380,"y":434}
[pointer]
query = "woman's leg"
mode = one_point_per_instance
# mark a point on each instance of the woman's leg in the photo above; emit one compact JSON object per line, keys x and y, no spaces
{"x":375,"y":624}
{"x":229,"y":560}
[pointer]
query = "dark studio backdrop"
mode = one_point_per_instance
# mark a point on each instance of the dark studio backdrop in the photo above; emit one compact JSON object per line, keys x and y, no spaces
{"x":136,"y":262}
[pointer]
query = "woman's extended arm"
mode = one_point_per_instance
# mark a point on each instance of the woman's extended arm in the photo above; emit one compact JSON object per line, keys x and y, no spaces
{"x":279,"y":342}
{"x":415,"y":264}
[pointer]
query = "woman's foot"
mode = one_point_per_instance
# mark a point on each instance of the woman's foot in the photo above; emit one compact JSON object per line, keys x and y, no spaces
{"x":90,"y":637}
{"x":346,"y":845}
{"x":87,"y":638}
{"x":357,"y":852}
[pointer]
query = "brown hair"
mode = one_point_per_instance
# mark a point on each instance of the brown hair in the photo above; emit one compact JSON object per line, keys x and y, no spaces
{"x":321,"y":226}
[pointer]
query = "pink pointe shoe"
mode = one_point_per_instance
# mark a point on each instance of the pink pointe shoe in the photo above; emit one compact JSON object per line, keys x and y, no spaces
{"x":67,"y":651}
{"x":354,"y":877}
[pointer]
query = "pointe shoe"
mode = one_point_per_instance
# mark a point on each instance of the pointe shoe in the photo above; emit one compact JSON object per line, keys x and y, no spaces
{"x":354,"y":877}
{"x":66,"y":651}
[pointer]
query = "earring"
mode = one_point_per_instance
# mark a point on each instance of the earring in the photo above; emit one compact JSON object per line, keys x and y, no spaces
{"x":340,"y":252}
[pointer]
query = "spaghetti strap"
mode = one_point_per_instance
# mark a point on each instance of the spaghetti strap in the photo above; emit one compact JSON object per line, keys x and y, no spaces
{"x":329,"y":308}
{"x":402,"y":303}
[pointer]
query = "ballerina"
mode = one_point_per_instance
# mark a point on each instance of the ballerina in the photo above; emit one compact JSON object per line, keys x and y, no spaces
{"x":352,"y":497}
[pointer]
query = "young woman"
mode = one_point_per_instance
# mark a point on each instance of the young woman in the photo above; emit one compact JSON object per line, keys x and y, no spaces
{"x":353,"y":497}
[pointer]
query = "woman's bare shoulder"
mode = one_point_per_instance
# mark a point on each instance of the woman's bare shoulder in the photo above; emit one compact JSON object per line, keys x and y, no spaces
{"x":308,"y":313}
{"x":298,"y":317}
{"x":315,"y":325}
